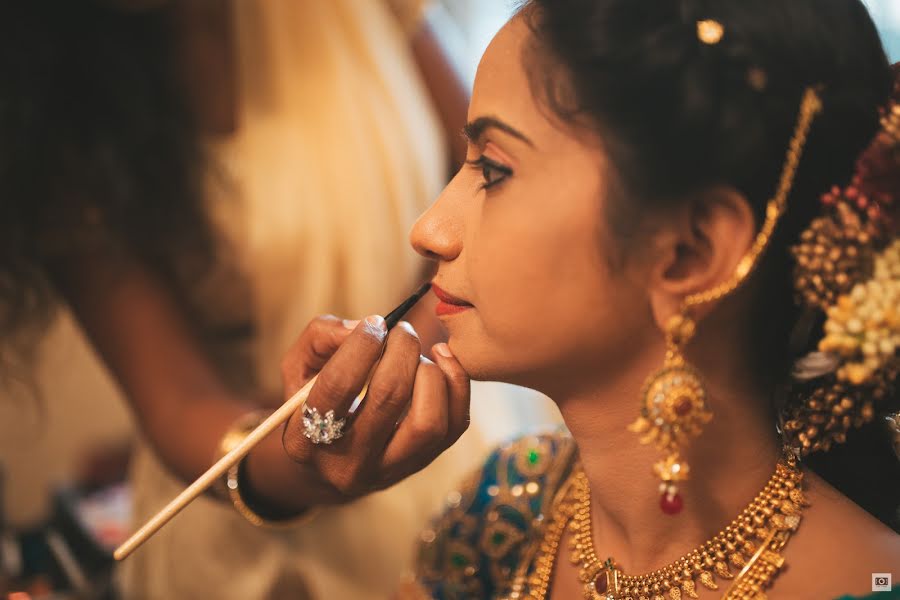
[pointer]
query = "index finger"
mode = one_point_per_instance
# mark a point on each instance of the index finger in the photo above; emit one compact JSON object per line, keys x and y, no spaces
{"x":313,"y":348}
{"x":344,"y":376}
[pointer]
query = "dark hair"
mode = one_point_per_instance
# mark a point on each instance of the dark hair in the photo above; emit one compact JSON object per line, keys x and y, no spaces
{"x":677,"y":116}
{"x":99,"y":151}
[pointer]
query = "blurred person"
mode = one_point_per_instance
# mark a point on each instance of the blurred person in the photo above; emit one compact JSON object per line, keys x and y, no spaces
{"x":335,"y":149}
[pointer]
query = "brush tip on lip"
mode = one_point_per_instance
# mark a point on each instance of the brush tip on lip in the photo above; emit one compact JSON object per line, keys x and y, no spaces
{"x":395,"y":315}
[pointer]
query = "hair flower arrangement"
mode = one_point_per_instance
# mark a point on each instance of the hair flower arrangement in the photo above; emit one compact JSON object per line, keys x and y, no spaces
{"x":848,"y":267}
{"x":863,"y":328}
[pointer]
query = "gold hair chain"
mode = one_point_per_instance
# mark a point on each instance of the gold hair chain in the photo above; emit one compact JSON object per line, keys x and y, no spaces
{"x":810,"y":106}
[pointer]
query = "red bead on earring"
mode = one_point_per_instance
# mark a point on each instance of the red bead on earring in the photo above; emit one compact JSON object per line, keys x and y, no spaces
{"x":670,"y":500}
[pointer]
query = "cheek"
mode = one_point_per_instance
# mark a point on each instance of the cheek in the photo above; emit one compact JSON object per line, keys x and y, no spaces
{"x":545,"y":295}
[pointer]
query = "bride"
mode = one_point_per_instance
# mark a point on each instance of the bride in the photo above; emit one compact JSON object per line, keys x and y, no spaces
{"x":642,"y":205}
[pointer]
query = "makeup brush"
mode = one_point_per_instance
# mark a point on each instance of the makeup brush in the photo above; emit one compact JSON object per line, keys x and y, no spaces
{"x":275,"y":420}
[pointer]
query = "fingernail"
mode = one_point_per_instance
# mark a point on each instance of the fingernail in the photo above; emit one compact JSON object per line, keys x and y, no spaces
{"x":409,"y":329}
{"x":350,"y":324}
{"x":443,"y":349}
{"x":375,"y":326}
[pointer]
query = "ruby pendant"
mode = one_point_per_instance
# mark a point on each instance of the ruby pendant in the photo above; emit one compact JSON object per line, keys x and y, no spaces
{"x":671,"y":504}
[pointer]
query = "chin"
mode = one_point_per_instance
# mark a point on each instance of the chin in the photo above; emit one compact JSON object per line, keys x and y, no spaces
{"x":471,"y":359}
{"x":486,"y":362}
{"x":475,"y":355}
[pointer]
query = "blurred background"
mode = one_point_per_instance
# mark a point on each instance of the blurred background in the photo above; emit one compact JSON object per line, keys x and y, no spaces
{"x":64,"y":501}
{"x":476,"y":21}
{"x":887,"y":16}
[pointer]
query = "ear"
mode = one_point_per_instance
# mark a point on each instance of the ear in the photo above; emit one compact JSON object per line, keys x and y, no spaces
{"x":699,"y":248}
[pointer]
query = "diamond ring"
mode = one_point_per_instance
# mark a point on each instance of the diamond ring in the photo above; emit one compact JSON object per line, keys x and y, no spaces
{"x":322,"y":429}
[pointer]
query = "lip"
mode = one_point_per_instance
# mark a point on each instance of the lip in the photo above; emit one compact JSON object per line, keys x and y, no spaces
{"x":448,"y":303}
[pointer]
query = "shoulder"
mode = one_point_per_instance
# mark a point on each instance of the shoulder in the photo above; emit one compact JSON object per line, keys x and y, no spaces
{"x":474,"y":547}
{"x":837,"y":549}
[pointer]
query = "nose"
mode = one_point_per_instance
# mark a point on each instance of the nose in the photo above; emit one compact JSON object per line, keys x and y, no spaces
{"x":437,"y":235}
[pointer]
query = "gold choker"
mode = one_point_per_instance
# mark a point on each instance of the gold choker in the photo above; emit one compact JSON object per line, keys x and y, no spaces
{"x":751,"y":544}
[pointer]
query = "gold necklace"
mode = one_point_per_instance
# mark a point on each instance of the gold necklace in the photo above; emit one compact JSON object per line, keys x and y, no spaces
{"x":770,"y":520}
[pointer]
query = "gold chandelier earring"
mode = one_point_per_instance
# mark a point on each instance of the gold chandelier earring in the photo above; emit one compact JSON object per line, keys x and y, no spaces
{"x":673,"y":410}
{"x":674,"y":400}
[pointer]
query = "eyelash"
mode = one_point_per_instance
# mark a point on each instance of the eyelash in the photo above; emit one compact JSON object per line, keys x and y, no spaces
{"x":487,"y":166}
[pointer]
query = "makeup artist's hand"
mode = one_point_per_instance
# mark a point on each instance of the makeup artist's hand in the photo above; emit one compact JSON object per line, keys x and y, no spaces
{"x":414,"y":409}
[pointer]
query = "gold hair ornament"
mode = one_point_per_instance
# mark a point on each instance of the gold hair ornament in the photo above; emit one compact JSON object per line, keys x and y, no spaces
{"x":674,"y":399}
{"x":710,"y":32}
{"x":848,"y":266}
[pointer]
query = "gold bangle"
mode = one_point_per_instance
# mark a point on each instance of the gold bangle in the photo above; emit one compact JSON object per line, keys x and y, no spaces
{"x":239,"y":430}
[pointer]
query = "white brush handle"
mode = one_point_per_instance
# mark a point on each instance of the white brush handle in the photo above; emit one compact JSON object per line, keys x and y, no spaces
{"x":216,"y":472}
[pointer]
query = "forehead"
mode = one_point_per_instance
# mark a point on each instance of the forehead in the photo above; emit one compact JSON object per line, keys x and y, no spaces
{"x":509,"y":76}
{"x":502,"y":87}
{"x":503,"y":55}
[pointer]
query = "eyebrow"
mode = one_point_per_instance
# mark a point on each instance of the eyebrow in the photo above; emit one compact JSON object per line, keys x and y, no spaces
{"x":474,"y":130}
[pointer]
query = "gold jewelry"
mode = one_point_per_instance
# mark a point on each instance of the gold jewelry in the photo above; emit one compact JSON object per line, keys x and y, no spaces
{"x":752,"y":542}
{"x":539,"y":581}
{"x":674,"y":410}
{"x":858,"y":358}
{"x":769,"y":520}
{"x":810,"y":107}
{"x":674,"y":400}
{"x":710,"y":32}
{"x":239,"y":430}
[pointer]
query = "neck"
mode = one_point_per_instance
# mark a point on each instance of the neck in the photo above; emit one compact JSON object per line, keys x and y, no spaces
{"x":730,"y":463}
